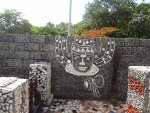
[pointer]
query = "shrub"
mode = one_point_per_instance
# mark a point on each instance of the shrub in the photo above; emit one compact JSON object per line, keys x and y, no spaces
{"x":102,"y":32}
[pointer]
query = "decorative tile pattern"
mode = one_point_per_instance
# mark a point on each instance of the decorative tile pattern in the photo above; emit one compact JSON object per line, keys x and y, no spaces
{"x":85,"y":106}
{"x":138,"y":97}
{"x":42,"y":72}
{"x":14,"y":95}
{"x":84,"y":57}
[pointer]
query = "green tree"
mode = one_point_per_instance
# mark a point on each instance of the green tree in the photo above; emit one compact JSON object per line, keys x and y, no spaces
{"x":113,"y":13}
{"x":139,"y":26}
{"x":79,"y":27}
{"x":62,"y":29}
{"x":11,"y":21}
{"x":48,"y":29}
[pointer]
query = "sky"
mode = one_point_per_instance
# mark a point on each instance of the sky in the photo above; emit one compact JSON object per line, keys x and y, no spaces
{"x":40,"y":12}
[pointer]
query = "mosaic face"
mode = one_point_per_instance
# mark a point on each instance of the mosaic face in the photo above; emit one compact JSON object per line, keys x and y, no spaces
{"x":83,"y":57}
{"x":82,"y":54}
{"x":82,"y":62}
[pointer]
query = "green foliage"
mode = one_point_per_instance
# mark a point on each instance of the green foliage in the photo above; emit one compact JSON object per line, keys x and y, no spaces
{"x":46,"y":30}
{"x":62,"y":29}
{"x":139,"y":26}
{"x":79,"y":27}
{"x":131,"y":19}
{"x":11,"y":21}
{"x":51,"y":29}
{"x":111,"y":13}
{"x":121,"y":33}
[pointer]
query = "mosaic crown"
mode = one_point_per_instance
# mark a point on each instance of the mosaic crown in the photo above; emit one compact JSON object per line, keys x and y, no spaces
{"x":83,"y":46}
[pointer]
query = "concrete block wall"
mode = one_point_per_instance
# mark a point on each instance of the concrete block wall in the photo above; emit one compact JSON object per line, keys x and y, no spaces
{"x":129,"y":52}
{"x":17,"y":52}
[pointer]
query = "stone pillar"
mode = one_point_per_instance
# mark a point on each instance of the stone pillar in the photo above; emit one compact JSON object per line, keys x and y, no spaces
{"x":14,"y":95}
{"x":42,"y":73}
{"x":138,"y":97}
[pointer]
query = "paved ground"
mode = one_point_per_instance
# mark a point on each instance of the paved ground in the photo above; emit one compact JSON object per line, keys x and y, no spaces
{"x":82,"y":106}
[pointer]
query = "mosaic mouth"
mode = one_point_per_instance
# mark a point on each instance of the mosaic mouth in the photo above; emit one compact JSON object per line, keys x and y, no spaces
{"x":82,"y":68}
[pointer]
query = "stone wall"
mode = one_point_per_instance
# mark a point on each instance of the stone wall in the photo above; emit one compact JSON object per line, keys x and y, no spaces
{"x":129,"y":52}
{"x":18,"y":51}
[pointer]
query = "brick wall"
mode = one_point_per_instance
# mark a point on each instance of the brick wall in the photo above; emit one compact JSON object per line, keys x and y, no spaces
{"x":18,"y":51}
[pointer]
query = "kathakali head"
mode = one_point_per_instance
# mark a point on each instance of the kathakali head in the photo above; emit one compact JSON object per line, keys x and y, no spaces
{"x":82,"y":51}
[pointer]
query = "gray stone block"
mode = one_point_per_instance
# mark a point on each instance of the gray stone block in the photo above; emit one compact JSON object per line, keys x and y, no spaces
{"x":119,"y":50}
{"x":139,"y":51}
{"x":132,"y":42}
{"x":122,"y":89}
{"x":144,"y":43}
{"x":21,"y":54}
{"x":6,"y":54}
{"x":49,"y":39}
{"x":38,"y":39}
{"x":14,"y":62}
{"x":7,"y":38}
{"x":49,"y":55}
{"x":126,"y":50}
{"x":17,"y":46}
{"x":22,"y":38}
{"x":3,"y":62}
{"x":4,"y":46}
{"x":37,"y":55}
{"x":47,"y":47}
{"x":11,"y":71}
{"x":27,"y":62}
{"x":32,"y":47}
{"x":120,"y":42}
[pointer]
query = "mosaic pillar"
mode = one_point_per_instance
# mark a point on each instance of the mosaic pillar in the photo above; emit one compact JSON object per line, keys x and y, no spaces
{"x":14,"y":95}
{"x":42,"y":76}
{"x":138,"y":97}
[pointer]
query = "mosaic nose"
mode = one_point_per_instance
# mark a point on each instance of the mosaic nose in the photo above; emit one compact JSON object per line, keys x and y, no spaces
{"x":82,"y":60}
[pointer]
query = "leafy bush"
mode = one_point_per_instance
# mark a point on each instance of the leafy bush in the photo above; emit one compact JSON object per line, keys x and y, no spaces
{"x":102,"y":32}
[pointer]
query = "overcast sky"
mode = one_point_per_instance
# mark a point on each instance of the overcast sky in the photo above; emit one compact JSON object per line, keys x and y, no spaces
{"x":39,"y":12}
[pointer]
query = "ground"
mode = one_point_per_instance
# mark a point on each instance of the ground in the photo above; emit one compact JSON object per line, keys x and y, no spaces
{"x":84,"y":106}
